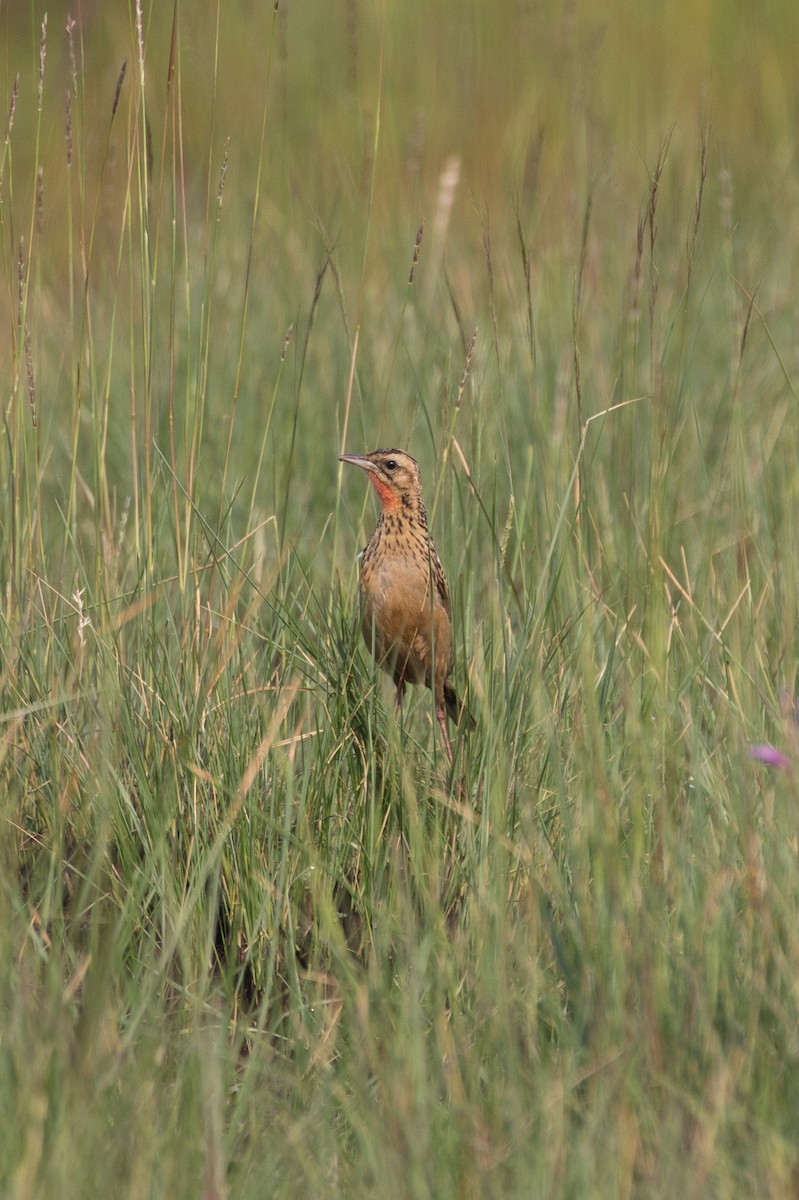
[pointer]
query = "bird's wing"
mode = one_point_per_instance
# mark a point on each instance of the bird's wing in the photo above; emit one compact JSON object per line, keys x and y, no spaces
{"x":441,"y":580}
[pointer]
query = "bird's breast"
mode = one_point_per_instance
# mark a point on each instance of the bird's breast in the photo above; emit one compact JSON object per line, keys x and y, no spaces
{"x":395,"y":585}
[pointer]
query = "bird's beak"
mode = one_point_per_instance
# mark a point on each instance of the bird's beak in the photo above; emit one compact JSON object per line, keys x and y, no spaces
{"x":358,"y":460}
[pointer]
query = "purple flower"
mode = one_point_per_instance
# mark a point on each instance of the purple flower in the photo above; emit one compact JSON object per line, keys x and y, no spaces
{"x":770,"y":756}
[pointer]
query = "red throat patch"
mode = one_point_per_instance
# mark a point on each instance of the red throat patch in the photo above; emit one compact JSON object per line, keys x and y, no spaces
{"x":389,"y":499}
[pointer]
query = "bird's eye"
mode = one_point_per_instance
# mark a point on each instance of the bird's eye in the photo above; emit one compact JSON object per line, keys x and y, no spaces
{"x":390,"y":464}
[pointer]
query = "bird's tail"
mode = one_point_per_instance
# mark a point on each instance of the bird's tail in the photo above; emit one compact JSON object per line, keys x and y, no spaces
{"x":457,"y":711}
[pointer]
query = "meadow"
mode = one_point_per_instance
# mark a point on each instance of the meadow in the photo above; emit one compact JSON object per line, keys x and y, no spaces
{"x":256,"y":938}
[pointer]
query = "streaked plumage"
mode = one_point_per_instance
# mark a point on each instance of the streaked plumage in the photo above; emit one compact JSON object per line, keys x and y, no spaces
{"x":406,"y":623}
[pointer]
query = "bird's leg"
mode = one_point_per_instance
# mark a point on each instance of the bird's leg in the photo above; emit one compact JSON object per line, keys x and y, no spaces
{"x":400,"y":682}
{"x":441,"y":713}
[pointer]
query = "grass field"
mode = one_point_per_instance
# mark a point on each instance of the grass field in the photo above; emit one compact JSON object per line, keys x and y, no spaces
{"x":255,"y":938}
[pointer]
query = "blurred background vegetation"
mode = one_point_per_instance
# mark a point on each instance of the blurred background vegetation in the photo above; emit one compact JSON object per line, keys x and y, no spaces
{"x":340,"y":127}
{"x":333,"y":113}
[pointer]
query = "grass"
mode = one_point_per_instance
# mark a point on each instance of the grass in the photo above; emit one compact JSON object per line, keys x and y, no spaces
{"x":254,"y":937}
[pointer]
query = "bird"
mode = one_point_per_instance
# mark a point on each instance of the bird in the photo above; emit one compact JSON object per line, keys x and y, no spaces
{"x":406,"y":616}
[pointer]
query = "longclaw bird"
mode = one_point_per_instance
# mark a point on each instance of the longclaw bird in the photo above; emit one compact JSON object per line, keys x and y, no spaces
{"x":405,"y":621}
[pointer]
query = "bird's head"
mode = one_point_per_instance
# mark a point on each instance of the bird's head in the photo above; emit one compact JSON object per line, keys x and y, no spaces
{"x":394,"y":476}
